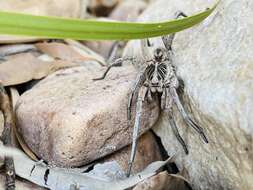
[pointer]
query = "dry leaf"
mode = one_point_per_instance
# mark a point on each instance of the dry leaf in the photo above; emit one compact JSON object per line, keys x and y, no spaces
{"x":20,"y":184}
{"x":85,"y":51}
{"x":63,"y":52}
{"x":63,"y":179}
{"x":7,"y":50}
{"x":163,"y":181}
{"x":25,"y":67}
{"x":9,"y":39}
{"x":35,"y":7}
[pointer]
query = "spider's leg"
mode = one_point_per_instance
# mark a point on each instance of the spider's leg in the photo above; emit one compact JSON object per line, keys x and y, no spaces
{"x":169,"y":111}
{"x":163,"y":99}
{"x":145,"y":50}
{"x":141,"y":97}
{"x":167,"y":40}
{"x":138,"y":82}
{"x":116,"y":63}
{"x":113,"y":51}
{"x":185,"y":116}
{"x":176,"y":132}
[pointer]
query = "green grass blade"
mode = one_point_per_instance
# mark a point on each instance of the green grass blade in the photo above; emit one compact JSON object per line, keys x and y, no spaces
{"x":62,"y":28}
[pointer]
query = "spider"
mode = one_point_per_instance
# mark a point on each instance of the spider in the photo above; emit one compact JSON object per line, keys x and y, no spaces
{"x":157,"y":76}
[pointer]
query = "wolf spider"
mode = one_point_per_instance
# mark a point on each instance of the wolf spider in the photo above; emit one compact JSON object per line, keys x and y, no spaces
{"x":157,"y":75}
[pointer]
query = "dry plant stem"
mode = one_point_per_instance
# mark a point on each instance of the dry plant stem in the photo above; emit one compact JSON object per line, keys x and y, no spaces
{"x":5,"y":106}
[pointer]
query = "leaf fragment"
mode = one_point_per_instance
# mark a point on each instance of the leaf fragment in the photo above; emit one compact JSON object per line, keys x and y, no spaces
{"x":25,"y":67}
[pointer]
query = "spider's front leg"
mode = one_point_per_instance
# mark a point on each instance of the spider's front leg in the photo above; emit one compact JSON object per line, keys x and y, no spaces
{"x":167,"y":40}
{"x":185,"y":116}
{"x":138,"y":83}
{"x":168,"y":109}
{"x":141,"y":97}
{"x":116,"y":63}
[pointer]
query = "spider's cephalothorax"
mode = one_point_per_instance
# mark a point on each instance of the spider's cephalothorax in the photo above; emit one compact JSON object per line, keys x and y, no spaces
{"x":158,"y":76}
{"x":159,"y":71}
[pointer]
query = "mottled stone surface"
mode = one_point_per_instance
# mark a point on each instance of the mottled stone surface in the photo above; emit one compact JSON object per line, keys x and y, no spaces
{"x":70,"y":120}
{"x":147,"y":152}
{"x":215,"y":60}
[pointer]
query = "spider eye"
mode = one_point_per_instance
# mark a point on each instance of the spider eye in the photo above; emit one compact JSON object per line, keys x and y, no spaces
{"x":158,"y":54}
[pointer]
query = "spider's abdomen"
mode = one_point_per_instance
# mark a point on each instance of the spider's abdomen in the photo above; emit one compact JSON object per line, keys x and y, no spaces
{"x":162,"y":71}
{"x":157,"y":73}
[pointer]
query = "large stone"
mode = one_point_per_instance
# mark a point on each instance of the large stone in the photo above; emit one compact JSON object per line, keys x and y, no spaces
{"x":215,"y":60}
{"x":68,"y":119}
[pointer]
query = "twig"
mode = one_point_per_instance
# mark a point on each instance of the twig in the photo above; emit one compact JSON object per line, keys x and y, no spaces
{"x":5,"y":107}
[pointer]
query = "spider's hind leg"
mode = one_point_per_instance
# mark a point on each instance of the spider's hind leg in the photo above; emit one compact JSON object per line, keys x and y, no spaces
{"x":169,"y":111}
{"x":138,"y":83}
{"x":176,"y":132}
{"x":186,"y":117}
{"x":180,"y":88}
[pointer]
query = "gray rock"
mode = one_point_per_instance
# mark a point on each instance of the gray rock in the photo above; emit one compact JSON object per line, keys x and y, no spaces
{"x":215,"y":61}
{"x":68,"y":119}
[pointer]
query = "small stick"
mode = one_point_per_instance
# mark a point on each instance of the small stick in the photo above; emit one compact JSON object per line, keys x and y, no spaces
{"x":5,"y":107}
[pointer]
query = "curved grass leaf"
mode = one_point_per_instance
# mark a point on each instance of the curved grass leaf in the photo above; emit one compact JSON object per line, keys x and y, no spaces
{"x":62,"y":28}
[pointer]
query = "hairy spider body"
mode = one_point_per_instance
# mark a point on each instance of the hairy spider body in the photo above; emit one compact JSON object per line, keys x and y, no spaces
{"x":158,"y":76}
{"x":160,"y":73}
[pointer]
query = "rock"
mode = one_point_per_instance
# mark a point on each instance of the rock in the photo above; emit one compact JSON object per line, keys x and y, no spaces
{"x":101,"y":7}
{"x":101,"y":47}
{"x":68,"y":119}
{"x":128,"y":10}
{"x":147,"y":152}
{"x":215,"y":61}
{"x":103,"y":3}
